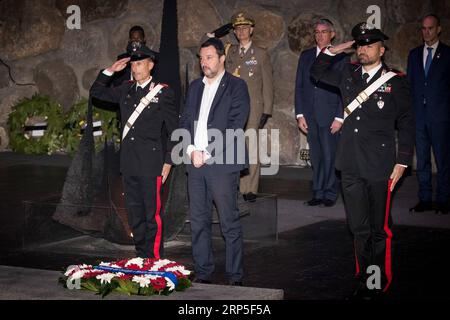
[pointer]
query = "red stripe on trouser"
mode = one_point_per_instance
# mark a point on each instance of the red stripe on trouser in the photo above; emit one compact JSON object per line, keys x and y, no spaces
{"x":388,"y":260}
{"x":356,"y":260}
{"x":158,"y":237}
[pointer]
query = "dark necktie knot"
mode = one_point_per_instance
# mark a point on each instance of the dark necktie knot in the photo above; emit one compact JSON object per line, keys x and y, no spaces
{"x":365,"y":76}
{"x":242,"y":52}
{"x":140,"y":90}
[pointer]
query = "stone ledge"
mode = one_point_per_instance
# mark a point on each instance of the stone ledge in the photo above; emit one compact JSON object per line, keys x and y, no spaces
{"x":34,"y":284}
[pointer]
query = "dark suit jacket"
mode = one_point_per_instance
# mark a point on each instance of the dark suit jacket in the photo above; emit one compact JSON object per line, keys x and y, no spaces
{"x":317,"y":101}
{"x":142,"y":152}
{"x":229,"y":110}
{"x":435,"y":88}
{"x":367,"y":147}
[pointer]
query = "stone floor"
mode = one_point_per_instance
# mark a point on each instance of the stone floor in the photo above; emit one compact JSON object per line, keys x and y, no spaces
{"x":311,"y":260}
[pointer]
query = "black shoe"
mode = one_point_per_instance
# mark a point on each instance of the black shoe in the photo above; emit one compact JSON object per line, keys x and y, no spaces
{"x":250,"y":197}
{"x":236,"y":283}
{"x":441,"y":208}
{"x":313,"y":202}
{"x":327,"y":203}
{"x":422,"y":206}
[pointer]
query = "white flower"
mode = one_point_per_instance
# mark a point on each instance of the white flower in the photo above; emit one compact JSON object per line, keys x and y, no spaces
{"x":180,"y":269}
{"x":105,"y":264}
{"x":78,"y":274}
{"x":170,"y":284}
{"x":159,"y":264}
{"x":71,"y":269}
{"x":136,"y":261}
{"x":106,"y":277}
{"x":143,"y":281}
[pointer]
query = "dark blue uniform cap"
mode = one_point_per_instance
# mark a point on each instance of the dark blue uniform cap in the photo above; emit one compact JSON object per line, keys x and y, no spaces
{"x":364,"y":34}
{"x":143,"y":52}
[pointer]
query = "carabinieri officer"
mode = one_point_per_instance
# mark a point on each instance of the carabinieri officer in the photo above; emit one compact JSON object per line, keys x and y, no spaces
{"x":367,"y":154}
{"x":145,"y":106}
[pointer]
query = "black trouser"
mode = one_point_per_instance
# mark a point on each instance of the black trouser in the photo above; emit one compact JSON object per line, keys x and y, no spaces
{"x":205,"y":185}
{"x":365,"y":206}
{"x":143,"y":202}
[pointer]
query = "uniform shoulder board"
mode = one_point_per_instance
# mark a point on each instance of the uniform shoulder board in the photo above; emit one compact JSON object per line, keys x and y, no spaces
{"x":130,"y":81}
{"x":354,"y":62}
{"x":165,"y":85}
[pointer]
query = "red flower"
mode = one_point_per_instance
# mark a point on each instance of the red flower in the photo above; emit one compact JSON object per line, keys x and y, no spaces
{"x":159,"y":284}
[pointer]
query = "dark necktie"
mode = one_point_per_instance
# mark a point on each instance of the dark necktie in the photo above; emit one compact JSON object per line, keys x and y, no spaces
{"x":140,"y":91}
{"x":242,"y":52}
{"x":365,"y":76}
{"x":428,"y":61}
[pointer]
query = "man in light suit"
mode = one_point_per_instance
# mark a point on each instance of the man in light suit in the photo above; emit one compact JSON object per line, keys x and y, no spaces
{"x":252,"y":64}
{"x":429,"y":74}
{"x":214,"y":104}
{"x":319,"y":115}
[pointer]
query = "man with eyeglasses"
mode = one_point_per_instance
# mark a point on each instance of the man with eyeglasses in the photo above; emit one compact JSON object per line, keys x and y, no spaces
{"x":252,"y":64}
{"x":318,"y":109}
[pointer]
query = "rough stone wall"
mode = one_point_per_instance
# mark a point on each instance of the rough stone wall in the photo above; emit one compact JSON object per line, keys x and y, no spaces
{"x":63,"y":63}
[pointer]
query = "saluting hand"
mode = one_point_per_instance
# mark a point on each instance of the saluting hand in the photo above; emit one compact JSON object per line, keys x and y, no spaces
{"x":119,"y":65}
{"x":396,"y":175}
{"x":341,"y":47}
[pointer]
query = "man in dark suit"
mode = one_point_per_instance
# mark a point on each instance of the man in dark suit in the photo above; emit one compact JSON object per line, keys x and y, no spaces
{"x":143,"y":163}
{"x":214,"y":104}
{"x":319,"y":115}
{"x":429,"y":74}
{"x":367,"y":154}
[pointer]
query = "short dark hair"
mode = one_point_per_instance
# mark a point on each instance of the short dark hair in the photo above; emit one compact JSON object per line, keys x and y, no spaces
{"x":438,"y":20}
{"x":136,"y":29}
{"x":216,"y":43}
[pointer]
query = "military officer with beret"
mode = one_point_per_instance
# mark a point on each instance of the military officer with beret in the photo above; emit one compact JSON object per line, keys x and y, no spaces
{"x":252,"y":64}
{"x":145,"y":106}
{"x":367,"y":155}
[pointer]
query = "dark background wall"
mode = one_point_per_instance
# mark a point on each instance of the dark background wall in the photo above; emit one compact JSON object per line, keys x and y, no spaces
{"x":63,"y":63}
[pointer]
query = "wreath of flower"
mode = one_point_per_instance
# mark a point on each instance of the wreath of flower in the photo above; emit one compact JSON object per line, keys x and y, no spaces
{"x":136,"y":276}
{"x":36,"y":107}
{"x":76,"y":123}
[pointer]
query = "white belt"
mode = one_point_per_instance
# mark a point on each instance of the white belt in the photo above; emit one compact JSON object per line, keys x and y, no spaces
{"x":364,"y":95}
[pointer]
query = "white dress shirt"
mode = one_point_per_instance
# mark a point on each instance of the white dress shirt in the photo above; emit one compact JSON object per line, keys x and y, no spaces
{"x":201,"y":132}
{"x":425,"y":51}
{"x":372,"y":71}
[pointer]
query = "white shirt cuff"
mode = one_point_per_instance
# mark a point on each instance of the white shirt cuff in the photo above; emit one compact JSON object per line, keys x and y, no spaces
{"x":339,"y":119}
{"x":299,"y":115}
{"x":107,"y":73}
{"x":327,"y":52}
{"x":190,"y":149}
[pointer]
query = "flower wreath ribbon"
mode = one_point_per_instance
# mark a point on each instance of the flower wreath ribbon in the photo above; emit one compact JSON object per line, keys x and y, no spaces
{"x":165,"y":274}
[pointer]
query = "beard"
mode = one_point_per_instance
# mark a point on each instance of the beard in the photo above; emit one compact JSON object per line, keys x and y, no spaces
{"x":364,"y":59}
{"x":208,"y":72}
